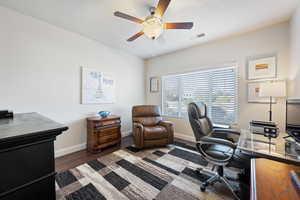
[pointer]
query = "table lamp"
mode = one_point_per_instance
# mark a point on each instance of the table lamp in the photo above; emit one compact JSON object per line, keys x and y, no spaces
{"x":272,"y":89}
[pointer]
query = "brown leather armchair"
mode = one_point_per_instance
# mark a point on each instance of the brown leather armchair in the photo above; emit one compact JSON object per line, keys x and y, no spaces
{"x":149,"y":130}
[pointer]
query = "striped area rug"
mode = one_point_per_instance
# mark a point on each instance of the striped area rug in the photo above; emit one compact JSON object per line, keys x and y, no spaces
{"x":160,"y":174}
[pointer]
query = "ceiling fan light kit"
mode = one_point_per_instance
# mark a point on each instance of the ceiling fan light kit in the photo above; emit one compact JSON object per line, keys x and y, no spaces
{"x":153,"y":25}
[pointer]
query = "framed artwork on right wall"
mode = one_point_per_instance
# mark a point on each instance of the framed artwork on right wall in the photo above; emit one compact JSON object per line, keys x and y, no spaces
{"x":262,"y":68}
{"x":253,"y":93}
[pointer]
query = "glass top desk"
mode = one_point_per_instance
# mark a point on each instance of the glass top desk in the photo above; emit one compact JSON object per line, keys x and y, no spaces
{"x":278,"y":149}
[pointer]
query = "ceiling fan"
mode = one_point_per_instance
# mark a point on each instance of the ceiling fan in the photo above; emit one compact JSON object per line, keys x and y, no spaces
{"x":153,"y":25}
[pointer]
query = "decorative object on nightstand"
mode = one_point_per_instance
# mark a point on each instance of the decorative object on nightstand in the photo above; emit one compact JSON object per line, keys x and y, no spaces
{"x":104,"y":114}
{"x":103,"y":132}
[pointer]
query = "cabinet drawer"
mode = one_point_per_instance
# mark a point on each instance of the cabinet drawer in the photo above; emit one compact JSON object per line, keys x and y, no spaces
{"x":106,"y":123}
{"x":108,"y":138}
{"x":108,"y":131}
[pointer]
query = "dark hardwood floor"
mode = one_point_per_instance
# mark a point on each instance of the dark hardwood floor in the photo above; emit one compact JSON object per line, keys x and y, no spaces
{"x":75,"y":159}
{"x":80,"y":157}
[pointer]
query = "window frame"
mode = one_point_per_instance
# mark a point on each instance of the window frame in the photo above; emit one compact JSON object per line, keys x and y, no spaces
{"x":224,"y":66}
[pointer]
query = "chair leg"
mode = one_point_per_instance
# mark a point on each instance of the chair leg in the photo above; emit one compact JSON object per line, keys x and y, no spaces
{"x":234,"y":192}
{"x":211,"y":181}
{"x":216,"y":177}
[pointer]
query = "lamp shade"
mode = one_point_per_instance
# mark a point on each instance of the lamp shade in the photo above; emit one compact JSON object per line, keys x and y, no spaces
{"x":273,"y":89}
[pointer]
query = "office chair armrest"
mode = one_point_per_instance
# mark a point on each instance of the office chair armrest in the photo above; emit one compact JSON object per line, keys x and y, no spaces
{"x":227,"y":134}
{"x":218,"y":141}
{"x":226,"y":131}
{"x":221,"y":126}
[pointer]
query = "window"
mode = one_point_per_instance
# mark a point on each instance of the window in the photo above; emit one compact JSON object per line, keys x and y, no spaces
{"x":217,"y":88}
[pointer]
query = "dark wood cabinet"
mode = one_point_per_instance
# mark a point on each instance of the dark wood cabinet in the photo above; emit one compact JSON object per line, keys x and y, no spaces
{"x":27,"y":165}
{"x":103,"y":132}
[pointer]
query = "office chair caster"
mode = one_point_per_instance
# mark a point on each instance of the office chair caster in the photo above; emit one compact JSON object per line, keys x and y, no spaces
{"x":202,"y":188}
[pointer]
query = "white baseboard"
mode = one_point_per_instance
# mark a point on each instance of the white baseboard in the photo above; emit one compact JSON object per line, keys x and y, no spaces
{"x":184,"y":137}
{"x":69,"y":150}
{"x":79,"y":147}
{"x":126,"y":133}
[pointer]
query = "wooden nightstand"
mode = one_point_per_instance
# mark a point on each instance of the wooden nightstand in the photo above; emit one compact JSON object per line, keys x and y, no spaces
{"x":103,"y":132}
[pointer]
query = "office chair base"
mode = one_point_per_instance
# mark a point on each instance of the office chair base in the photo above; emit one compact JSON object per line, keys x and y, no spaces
{"x":214,"y":178}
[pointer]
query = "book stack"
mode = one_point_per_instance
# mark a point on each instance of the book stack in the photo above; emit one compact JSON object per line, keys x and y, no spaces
{"x":6,"y":114}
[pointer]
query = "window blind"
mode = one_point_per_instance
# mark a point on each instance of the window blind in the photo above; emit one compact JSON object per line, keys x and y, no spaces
{"x":217,"y":88}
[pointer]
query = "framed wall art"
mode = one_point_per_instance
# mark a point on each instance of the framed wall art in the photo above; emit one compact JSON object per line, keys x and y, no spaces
{"x":97,"y":87}
{"x":262,"y":68}
{"x":253,"y":93}
{"x":154,"y":84}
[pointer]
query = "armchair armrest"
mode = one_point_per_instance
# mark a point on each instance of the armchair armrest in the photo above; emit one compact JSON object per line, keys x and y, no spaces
{"x":138,"y":125}
{"x":138,"y":136}
{"x":170,"y":128}
{"x":166,"y":123}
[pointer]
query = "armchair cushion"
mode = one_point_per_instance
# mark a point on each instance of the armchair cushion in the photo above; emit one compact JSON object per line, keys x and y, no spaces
{"x":155,"y":132}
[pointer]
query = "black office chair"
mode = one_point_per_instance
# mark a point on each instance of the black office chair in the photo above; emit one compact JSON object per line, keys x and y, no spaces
{"x":216,"y":146}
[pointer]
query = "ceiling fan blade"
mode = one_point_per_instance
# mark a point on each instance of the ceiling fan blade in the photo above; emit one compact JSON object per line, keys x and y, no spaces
{"x":135,"y":36}
{"x":128,"y":17}
{"x":162,"y":7}
{"x":180,"y":25}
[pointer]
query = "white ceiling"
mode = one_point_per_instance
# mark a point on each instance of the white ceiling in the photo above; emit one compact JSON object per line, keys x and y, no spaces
{"x":215,"y":18}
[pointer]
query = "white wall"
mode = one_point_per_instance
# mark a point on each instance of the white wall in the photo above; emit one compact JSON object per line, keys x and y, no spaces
{"x":271,"y":40}
{"x":40,"y":72}
{"x":294,"y":83}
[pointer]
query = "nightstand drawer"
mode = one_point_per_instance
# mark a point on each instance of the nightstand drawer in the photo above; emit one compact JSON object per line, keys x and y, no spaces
{"x":108,"y":138}
{"x":106,"y":123}
{"x":108,"y":131}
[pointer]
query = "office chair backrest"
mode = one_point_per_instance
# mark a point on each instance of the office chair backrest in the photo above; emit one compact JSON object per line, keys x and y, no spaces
{"x":199,"y":121}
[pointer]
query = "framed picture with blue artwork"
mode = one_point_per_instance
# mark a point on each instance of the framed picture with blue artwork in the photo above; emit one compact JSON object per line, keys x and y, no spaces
{"x":97,"y":87}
